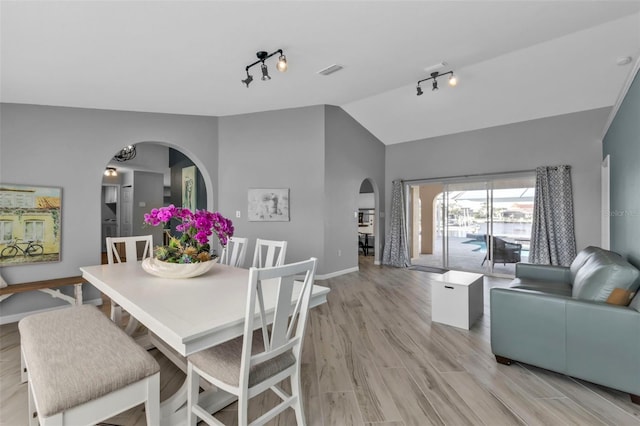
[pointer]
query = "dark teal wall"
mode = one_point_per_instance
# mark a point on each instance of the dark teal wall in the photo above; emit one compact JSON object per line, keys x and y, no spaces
{"x":622,"y":144}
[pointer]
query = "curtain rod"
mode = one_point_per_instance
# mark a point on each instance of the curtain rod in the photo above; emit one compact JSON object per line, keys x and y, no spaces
{"x":467,"y":176}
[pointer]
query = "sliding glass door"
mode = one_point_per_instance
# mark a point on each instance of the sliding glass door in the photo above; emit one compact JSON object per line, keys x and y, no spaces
{"x":466,"y":213}
{"x":478,"y":225}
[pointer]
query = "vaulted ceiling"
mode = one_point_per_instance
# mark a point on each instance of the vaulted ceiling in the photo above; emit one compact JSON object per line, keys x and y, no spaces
{"x":516,"y":60}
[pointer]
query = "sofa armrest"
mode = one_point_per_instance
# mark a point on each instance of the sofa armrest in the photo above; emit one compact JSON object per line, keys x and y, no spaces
{"x":543,"y":272}
{"x":529,"y":326}
{"x":603,"y":343}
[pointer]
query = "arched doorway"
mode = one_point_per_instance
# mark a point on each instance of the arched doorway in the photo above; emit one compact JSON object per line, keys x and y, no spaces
{"x":156,"y":176}
{"x":368,"y":219}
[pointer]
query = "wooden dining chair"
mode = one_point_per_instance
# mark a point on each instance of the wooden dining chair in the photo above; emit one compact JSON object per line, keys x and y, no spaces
{"x":269,"y":253}
{"x":258,"y":360}
{"x":234,"y":253}
{"x":125,"y":249}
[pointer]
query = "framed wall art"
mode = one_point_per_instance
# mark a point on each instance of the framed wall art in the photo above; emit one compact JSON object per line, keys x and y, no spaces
{"x":189,"y":188}
{"x":30,"y":219}
{"x":271,"y":205}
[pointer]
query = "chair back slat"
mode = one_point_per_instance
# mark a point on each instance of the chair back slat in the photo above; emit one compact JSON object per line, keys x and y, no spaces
{"x":277,"y":283}
{"x":130,"y":248}
{"x":269,"y":253}
{"x":296,"y":310}
{"x":282,"y":312}
{"x":263,"y":317}
{"x":235,"y":252}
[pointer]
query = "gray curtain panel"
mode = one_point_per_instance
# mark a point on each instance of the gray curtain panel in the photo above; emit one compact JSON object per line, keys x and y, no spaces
{"x":553,"y":240}
{"x":396,"y":249}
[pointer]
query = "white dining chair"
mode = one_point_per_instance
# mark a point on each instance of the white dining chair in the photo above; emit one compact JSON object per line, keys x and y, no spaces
{"x":125,"y":249}
{"x":234,"y":253}
{"x":269,"y":253}
{"x":258,"y":360}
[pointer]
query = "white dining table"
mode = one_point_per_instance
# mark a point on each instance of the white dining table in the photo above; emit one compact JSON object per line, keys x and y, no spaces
{"x":184,"y":316}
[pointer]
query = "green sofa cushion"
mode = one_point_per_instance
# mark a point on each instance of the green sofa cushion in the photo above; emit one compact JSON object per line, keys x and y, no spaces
{"x":581,"y":259}
{"x":601,"y":272}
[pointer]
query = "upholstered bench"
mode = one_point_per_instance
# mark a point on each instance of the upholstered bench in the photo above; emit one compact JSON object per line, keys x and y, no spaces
{"x":83,"y":369}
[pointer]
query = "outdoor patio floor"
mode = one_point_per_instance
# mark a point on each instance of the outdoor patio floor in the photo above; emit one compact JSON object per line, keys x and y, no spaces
{"x":467,"y":255}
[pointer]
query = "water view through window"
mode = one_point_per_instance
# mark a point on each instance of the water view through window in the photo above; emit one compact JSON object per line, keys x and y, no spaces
{"x":478,"y":226}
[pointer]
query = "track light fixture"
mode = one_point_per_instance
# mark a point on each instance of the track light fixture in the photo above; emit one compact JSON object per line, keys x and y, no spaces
{"x":282,"y":63}
{"x":453,"y":81}
{"x":248,"y":80}
{"x":265,"y":72}
{"x":263,"y":56}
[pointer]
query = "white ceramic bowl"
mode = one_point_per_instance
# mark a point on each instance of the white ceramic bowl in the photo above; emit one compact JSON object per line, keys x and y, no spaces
{"x":162,"y":269}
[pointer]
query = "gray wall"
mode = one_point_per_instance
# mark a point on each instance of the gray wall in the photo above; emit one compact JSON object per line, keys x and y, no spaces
{"x":276,"y":149}
{"x":622,"y":144}
{"x":572,"y":139}
{"x":69,"y":148}
{"x":352,"y":155}
{"x":322,"y":155}
{"x":147,"y":195}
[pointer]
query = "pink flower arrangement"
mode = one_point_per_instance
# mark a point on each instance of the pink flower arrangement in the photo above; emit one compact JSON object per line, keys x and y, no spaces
{"x":196,"y":228}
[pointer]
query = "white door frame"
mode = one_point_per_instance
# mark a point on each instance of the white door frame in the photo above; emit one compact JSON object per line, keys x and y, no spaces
{"x":605,"y":194}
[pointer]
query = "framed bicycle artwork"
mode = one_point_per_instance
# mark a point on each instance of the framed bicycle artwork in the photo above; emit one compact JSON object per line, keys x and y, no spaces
{"x":30,"y":219}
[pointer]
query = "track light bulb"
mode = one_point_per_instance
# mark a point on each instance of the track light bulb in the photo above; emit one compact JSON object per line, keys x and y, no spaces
{"x":453,"y":80}
{"x":434,"y":88}
{"x":282,"y":63}
{"x":419,"y":90}
{"x":265,"y":72}
{"x":247,"y":80}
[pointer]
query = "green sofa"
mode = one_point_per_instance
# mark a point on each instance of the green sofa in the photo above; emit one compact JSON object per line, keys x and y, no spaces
{"x":558,"y":318}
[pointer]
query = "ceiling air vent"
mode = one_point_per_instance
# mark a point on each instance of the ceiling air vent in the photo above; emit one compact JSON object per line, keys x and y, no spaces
{"x":330,"y":69}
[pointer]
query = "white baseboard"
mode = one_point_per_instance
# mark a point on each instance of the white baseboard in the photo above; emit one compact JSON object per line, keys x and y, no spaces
{"x":8,"y":319}
{"x":337,"y":273}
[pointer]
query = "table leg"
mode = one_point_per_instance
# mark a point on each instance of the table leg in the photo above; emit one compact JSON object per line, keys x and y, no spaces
{"x":77,"y":291}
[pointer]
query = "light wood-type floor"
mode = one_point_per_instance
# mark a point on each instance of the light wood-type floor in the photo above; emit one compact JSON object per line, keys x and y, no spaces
{"x":373,"y":357}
